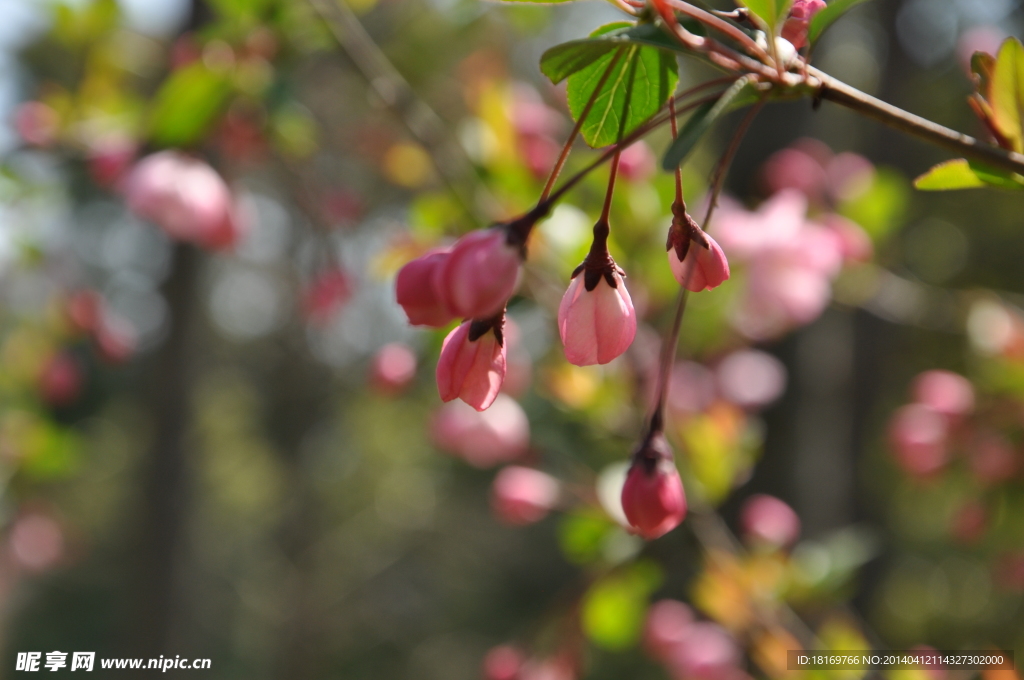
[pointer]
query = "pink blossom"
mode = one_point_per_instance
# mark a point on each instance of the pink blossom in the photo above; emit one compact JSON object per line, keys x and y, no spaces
{"x":392,"y":369}
{"x":793,"y":168}
{"x":767,"y":520}
{"x":849,"y":176}
{"x":60,"y":382}
{"x":599,"y":324}
{"x":691,"y":388}
{"x":709,"y":266}
{"x":652,"y":497}
{"x":751,"y":378}
{"x":945,"y":392}
{"x":854,"y":243}
{"x":479,"y":275}
{"x":707,"y":652}
{"x":36,"y":541}
{"x":503,"y":663}
{"x":800,"y":15}
{"x":186,"y":198}
{"x":637,"y":162}
{"x":918,"y":435}
{"x":415,"y":292}
{"x":482,"y":438}
{"x":472,"y":364}
{"x":110,"y":158}
{"x":667,"y":625}
{"x":523,"y":495}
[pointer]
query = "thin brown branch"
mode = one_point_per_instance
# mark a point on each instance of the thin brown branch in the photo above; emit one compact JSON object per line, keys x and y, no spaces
{"x":839,"y":92}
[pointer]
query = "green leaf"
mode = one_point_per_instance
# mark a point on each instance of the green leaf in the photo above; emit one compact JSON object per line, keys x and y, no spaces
{"x":883,"y":206}
{"x":641,"y":80}
{"x":1007,"y":92}
{"x":613,"y":609}
{"x":742,"y":93}
{"x":187,"y":104}
{"x":770,"y":12}
{"x":826,"y":17}
{"x":961,"y":174}
{"x":561,"y":61}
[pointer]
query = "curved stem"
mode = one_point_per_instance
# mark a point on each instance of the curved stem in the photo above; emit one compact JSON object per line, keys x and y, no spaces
{"x":720,"y":25}
{"x":718,"y":180}
{"x":560,"y":163}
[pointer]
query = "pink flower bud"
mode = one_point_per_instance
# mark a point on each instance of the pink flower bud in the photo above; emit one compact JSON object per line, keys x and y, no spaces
{"x":482,"y":438}
{"x":61,"y":380}
{"x":479,"y":275}
{"x":393,"y":368}
{"x":503,"y":663}
{"x":707,"y":653}
{"x":945,"y":392}
{"x":917,"y":434}
{"x":472,"y":363}
{"x":597,"y":322}
{"x":710,"y":269}
{"x":653,"y":497}
{"x":185,"y":197}
{"x":415,"y":292}
{"x":668,"y":623}
{"x":767,"y":520}
{"x":800,"y":15}
{"x":523,"y":495}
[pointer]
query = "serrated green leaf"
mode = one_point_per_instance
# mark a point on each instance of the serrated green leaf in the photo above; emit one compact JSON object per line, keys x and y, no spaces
{"x":742,"y":93}
{"x":961,"y":174}
{"x":770,"y":12}
{"x":826,"y":17}
{"x":1007,"y":93}
{"x":187,"y":104}
{"x":641,"y":80}
{"x":949,"y":175}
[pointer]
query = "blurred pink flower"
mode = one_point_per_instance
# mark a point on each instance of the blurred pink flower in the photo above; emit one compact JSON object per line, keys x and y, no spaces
{"x":110,"y":158}
{"x":849,"y":176}
{"x":186,"y":198}
{"x":800,"y":15}
{"x":707,"y":652}
{"x":415,"y":291}
{"x":503,"y":663}
{"x":472,"y":364}
{"x":522,"y":495}
{"x":917,"y":434}
{"x":667,"y":625}
{"x":327,"y":293}
{"x":60,"y":382}
{"x":37,"y":123}
{"x":982,"y":38}
{"x":479,"y":275}
{"x":36,"y":541}
{"x":596,"y":325}
{"x":854,"y":243}
{"x":393,"y":368}
{"x":793,"y":168}
{"x":767,"y":520}
{"x":482,"y":438}
{"x":791,"y":263}
{"x":691,"y":388}
{"x":637,"y":162}
{"x":751,"y":378}
{"x":944,"y":392}
{"x":992,"y":458}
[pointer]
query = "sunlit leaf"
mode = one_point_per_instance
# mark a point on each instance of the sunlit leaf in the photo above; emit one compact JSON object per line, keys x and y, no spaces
{"x":742,"y":93}
{"x":961,"y":174}
{"x":826,"y":17}
{"x":770,"y":12}
{"x":187,"y":104}
{"x":1007,"y":93}
{"x":639,"y":82}
{"x":614,"y":607}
